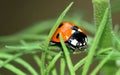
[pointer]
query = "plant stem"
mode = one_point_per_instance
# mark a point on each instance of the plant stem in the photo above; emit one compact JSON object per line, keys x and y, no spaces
{"x":106,"y":41}
{"x":99,"y":9}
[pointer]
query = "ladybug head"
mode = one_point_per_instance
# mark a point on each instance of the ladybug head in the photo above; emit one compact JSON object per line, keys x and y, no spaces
{"x":78,"y":40}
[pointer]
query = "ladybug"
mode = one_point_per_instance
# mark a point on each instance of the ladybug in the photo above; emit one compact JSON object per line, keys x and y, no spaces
{"x":73,"y":36}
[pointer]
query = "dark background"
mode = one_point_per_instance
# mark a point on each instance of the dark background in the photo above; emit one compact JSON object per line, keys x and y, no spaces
{"x":16,"y":15}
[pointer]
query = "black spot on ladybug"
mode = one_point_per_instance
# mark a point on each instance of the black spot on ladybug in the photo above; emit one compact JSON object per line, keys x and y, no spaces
{"x":60,"y":25}
{"x":75,"y":28}
{"x":57,"y":36}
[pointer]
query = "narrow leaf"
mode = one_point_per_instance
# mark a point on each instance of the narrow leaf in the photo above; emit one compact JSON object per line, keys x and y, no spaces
{"x":99,"y":8}
{"x":79,"y":64}
{"x":101,"y":64}
{"x":95,"y":43}
{"x":67,"y":56}
{"x":62,"y":66}
{"x":18,"y":60}
{"x":59,"y":20}
{"x":52,"y":63}
{"x":12,"y":68}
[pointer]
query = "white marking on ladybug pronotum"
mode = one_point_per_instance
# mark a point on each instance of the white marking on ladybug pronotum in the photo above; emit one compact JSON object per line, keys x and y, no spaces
{"x":74,"y":42}
{"x":80,"y":30}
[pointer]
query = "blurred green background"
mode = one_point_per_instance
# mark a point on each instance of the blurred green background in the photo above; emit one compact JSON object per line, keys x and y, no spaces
{"x":16,"y":15}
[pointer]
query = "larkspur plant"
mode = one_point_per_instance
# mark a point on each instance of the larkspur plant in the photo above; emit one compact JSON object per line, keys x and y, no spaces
{"x":103,"y":47}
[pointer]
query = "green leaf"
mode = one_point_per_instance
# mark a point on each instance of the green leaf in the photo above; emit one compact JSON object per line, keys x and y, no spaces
{"x":116,"y":41}
{"x":38,"y":61}
{"x":99,"y":8}
{"x":79,"y":64}
{"x":13,"y":69}
{"x":101,"y":64}
{"x":103,"y":50}
{"x":67,"y":56}
{"x":15,"y":38}
{"x":109,"y":68}
{"x":54,"y":72}
{"x":10,"y":59}
{"x":95,"y":43}
{"x":115,"y":55}
{"x":118,"y":72}
{"x":62,"y":66}
{"x":52,"y":63}
{"x":28,"y":48}
{"x":18,"y":60}
{"x":59,"y":20}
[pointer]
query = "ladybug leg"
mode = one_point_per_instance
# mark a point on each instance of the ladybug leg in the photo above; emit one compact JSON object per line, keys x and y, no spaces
{"x":52,"y":43}
{"x":70,"y":47}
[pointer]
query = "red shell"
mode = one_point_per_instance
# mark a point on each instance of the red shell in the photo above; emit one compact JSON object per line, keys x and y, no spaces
{"x":65,"y":29}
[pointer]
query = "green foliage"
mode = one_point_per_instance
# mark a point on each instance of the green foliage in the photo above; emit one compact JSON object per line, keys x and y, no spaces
{"x":99,"y":9}
{"x":95,"y":43}
{"x":34,"y":41}
{"x":57,"y":24}
{"x":67,"y":56}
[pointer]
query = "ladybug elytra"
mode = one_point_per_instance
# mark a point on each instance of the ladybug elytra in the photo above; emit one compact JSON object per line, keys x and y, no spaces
{"x":73,"y":36}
